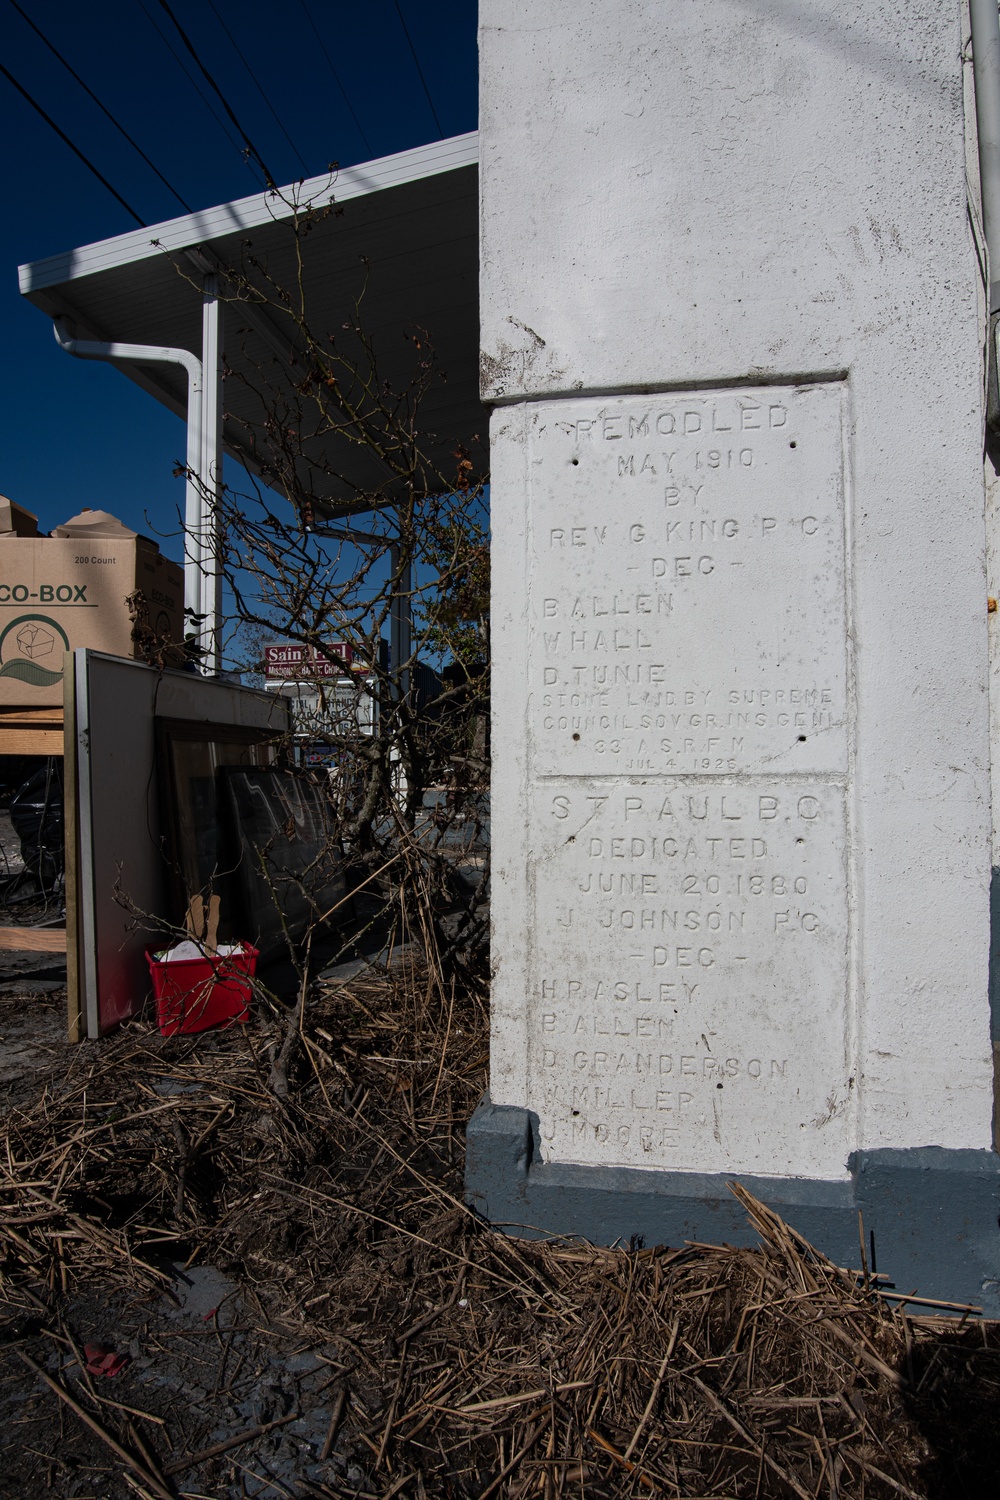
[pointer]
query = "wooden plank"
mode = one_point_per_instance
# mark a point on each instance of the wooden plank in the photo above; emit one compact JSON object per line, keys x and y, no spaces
{"x":34,"y":939}
{"x":30,"y":741}
{"x":32,"y":718}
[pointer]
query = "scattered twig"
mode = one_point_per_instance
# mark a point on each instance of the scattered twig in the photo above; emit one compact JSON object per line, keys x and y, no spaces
{"x":139,"y":1469}
{"x":737,"y":1426}
{"x":509,"y":1468}
{"x":178,"y":1465}
{"x":335,"y":1416}
{"x":657,"y":1387}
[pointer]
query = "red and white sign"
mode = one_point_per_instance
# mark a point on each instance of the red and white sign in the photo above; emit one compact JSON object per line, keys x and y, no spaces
{"x":288,"y":660}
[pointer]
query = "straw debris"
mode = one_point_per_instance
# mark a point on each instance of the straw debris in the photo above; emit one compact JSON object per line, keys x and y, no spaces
{"x":446,"y":1359}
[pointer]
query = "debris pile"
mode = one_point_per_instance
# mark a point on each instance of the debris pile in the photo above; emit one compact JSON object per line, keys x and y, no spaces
{"x":376,"y":1339}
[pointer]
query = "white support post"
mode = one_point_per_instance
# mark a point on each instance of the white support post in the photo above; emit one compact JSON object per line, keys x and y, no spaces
{"x":210,"y":533}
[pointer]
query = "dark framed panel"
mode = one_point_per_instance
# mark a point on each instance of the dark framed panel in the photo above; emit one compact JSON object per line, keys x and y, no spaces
{"x":191,"y":759}
{"x":289,"y":864}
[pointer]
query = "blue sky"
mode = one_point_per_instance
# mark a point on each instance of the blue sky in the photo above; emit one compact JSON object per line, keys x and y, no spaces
{"x":79,"y":434}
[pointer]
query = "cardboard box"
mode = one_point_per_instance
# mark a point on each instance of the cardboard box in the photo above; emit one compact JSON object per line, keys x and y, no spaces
{"x":15,"y":520}
{"x":69,"y":590}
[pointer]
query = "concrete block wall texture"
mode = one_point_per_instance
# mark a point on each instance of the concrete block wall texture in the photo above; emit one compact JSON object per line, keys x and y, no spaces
{"x":729,"y":280}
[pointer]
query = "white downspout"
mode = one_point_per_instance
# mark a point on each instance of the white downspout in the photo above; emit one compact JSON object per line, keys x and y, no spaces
{"x":985,"y":30}
{"x":986,"y":67}
{"x":195,"y":601}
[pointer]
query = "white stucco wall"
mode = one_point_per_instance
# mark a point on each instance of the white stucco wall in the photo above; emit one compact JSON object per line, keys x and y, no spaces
{"x":707,"y":195}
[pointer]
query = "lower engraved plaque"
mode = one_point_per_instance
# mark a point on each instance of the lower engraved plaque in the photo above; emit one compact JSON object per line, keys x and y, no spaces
{"x":689,"y":975}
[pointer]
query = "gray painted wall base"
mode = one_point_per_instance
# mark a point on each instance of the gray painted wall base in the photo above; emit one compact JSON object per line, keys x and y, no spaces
{"x":934,"y":1213}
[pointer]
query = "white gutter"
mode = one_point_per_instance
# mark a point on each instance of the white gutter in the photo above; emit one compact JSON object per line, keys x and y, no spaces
{"x":196,"y":543}
{"x":246,"y":214}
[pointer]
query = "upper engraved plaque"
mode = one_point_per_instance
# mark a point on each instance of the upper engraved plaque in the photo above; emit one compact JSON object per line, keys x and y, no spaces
{"x":687,"y":590}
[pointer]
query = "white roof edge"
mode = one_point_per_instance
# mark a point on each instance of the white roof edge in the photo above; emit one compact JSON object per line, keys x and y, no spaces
{"x":247,"y":213}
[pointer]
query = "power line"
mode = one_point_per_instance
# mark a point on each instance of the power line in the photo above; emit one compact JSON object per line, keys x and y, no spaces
{"x":336,"y":76}
{"x":87,"y":90}
{"x":72,"y":146}
{"x":196,"y":86}
{"x":416,"y":63}
{"x":251,"y":148}
{"x":257,"y":84}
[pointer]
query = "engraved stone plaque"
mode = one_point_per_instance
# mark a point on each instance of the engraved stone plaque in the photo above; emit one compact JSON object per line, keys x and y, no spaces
{"x":687,"y":594}
{"x":689,"y":974}
{"x":688,"y":959}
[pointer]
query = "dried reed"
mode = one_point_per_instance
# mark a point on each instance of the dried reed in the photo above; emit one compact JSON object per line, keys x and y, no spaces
{"x":469,"y":1364}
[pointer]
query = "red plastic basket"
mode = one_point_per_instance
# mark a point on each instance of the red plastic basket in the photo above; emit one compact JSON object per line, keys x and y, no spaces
{"x":195,"y":994}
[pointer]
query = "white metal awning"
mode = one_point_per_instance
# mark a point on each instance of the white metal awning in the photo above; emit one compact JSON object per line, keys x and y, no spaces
{"x":405,"y":233}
